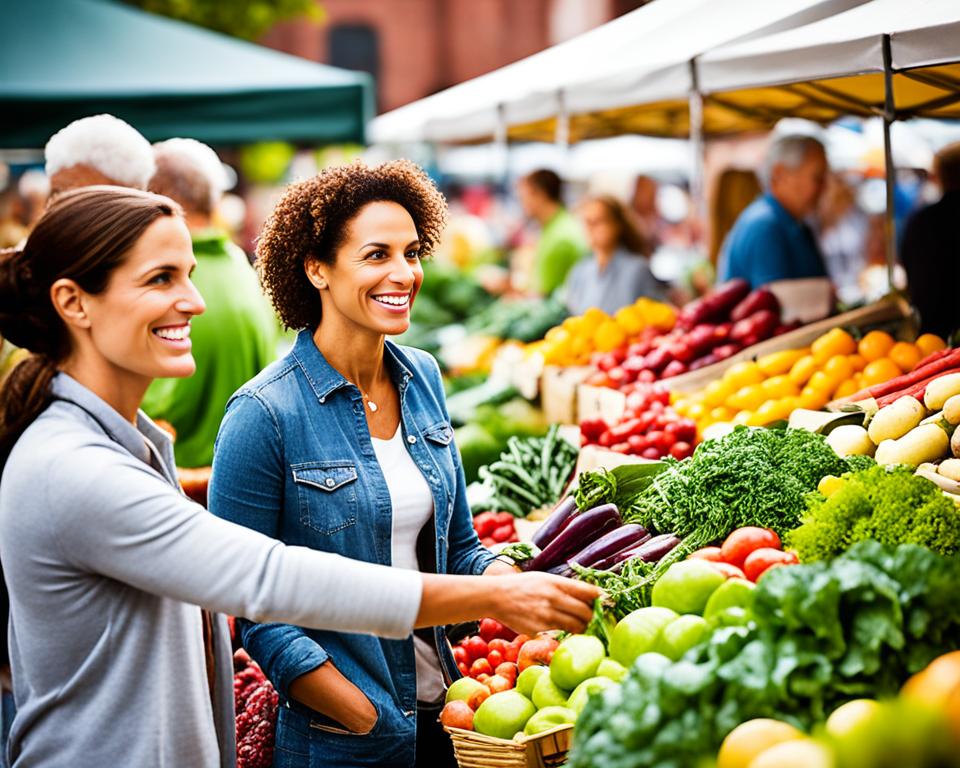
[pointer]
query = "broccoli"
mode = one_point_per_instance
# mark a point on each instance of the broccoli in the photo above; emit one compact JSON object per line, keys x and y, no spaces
{"x":891,"y":506}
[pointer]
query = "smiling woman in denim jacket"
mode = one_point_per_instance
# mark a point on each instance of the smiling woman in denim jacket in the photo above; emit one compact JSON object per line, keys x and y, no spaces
{"x":345,"y":445}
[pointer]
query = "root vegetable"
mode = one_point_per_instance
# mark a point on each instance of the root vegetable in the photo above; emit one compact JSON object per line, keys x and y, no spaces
{"x":851,"y":440}
{"x":940,"y":390}
{"x":951,"y":410}
{"x":950,"y":468}
{"x":927,"y":442}
{"x":955,"y":443}
{"x":896,"y":419}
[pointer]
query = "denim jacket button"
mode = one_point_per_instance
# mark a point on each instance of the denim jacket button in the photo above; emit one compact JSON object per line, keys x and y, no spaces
{"x":411,"y":439}
{"x":329,"y":482}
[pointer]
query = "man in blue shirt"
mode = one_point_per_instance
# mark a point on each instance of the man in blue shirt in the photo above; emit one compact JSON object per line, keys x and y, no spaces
{"x":770,"y":241}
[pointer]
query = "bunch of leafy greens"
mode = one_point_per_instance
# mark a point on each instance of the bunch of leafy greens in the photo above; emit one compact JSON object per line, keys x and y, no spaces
{"x":621,"y":485}
{"x":751,"y":476}
{"x":821,"y":634}
{"x":891,"y":506}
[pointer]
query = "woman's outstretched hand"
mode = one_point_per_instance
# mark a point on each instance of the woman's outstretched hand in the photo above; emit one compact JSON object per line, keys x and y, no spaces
{"x":525,"y":602}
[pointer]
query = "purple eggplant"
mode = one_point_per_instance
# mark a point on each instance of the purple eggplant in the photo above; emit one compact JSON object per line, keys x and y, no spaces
{"x":584,"y":528}
{"x":629,"y":535}
{"x":608,"y":562}
{"x":650,"y":551}
{"x":562,"y":570}
{"x":559,"y":519}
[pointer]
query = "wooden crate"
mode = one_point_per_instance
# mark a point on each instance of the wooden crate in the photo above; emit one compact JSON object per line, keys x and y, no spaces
{"x":600,"y":403}
{"x":891,"y":308}
{"x":545,"y":750}
{"x":558,"y":392}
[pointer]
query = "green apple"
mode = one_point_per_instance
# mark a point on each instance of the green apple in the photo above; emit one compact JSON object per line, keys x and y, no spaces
{"x":503,"y":714}
{"x":687,"y":586}
{"x":576,"y":659}
{"x":681,"y":635}
{"x":578,"y":699}
{"x":547,"y":693}
{"x":462,"y":689}
{"x":527,"y":679}
{"x":549,"y":718}
{"x":612,"y":669}
{"x":638,"y":633}
{"x":733,"y":593}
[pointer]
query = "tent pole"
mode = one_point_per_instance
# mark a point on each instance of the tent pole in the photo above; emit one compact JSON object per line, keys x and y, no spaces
{"x":562,"y":134}
{"x":889,"y":114}
{"x":697,"y":144}
{"x":502,"y":145}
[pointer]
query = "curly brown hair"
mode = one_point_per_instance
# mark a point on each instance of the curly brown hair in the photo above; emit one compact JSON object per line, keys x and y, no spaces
{"x":311,"y":220}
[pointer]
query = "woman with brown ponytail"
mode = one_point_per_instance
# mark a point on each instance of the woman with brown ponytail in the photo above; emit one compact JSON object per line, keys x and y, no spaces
{"x":106,"y":561}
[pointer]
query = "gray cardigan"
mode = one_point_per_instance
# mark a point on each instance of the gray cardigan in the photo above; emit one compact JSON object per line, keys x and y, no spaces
{"x":106,"y":562}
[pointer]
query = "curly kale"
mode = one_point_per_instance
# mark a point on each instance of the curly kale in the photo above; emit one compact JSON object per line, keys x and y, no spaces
{"x":748,"y":477}
{"x":890,"y":506}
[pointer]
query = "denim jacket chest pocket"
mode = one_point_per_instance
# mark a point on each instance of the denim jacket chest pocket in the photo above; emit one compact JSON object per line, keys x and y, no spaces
{"x":327,"y":494}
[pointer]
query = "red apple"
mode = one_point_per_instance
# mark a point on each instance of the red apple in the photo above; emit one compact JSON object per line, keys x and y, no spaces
{"x":537,"y":651}
{"x":457,"y":714}
{"x":478,"y":697}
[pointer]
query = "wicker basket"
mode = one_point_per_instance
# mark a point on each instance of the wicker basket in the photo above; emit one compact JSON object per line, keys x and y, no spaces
{"x":545,"y":750}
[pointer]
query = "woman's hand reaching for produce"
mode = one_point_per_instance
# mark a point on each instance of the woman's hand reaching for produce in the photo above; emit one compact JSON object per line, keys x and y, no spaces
{"x":526,"y":602}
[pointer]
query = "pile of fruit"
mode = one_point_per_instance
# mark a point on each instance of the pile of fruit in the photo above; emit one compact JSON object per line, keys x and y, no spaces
{"x":834,"y":366}
{"x":576,"y":339}
{"x":649,"y":427}
{"x":255,"y":702}
{"x":708,"y":330}
{"x":920,"y":728}
{"x":493,"y":651}
{"x":495,"y":528}
{"x":747,"y":553}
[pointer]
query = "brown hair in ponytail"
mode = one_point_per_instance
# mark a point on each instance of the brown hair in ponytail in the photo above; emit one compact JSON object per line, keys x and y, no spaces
{"x":84,"y":236}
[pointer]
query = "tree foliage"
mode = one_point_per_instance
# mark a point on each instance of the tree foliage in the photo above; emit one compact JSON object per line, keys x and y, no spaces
{"x":247,"y":19}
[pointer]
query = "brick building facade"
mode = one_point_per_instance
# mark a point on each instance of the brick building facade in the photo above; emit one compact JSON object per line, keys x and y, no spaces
{"x":416,"y":47}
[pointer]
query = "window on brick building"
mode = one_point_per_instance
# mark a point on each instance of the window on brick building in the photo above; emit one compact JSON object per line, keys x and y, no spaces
{"x":356,"y":46}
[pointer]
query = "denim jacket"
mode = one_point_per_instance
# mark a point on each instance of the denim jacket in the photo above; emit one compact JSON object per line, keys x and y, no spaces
{"x":294,"y":460}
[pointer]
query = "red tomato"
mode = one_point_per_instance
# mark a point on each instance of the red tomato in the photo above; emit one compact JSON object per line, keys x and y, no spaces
{"x":489,"y":629}
{"x":484,"y":523}
{"x":460,"y":655}
{"x":761,"y":560}
{"x":502,"y":533}
{"x":651,"y":453}
{"x":708,"y":553}
{"x":504,"y":518}
{"x":512,"y":652}
{"x":637,"y":444}
{"x":482,"y":677}
{"x":646,"y":376}
{"x":739,"y":544}
{"x":495,"y":658}
{"x":496,"y":643}
{"x":481,"y":667}
{"x":476,"y":648}
{"x":464,"y":669}
{"x":680,"y":450}
{"x":729,"y":571}
{"x":684,"y":430}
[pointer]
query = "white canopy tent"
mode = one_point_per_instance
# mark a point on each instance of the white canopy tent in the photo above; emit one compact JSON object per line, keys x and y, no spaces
{"x":615,"y":59}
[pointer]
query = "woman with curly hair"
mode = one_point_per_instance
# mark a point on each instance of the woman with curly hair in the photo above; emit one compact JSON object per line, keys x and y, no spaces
{"x":346,"y":446}
{"x":106,"y":560}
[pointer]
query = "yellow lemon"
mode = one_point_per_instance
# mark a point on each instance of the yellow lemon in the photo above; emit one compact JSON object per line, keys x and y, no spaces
{"x":752,"y":738}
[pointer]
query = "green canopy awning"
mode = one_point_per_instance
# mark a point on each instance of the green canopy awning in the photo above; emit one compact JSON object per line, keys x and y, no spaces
{"x":61,"y":60}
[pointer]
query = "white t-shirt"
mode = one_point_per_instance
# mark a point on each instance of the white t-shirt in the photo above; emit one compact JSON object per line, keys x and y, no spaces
{"x":412,"y":504}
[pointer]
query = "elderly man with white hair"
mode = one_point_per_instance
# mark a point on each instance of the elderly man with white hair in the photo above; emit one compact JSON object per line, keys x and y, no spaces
{"x":236,"y":337}
{"x":770,"y":240}
{"x":102,"y":149}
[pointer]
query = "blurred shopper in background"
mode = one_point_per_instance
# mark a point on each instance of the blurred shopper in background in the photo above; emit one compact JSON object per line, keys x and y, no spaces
{"x":644,"y":207}
{"x":931,"y":250}
{"x":98,"y":150}
{"x":617,"y":272}
{"x":735,"y":189}
{"x":843,"y":238}
{"x":561,"y":243}
{"x":237,"y":336}
{"x":771,"y":240}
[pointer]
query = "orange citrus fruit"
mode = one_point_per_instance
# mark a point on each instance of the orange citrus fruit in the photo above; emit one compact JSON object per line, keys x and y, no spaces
{"x":905,"y":355}
{"x":836,"y":341}
{"x":880,"y":371}
{"x":839,"y":367}
{"x":875,"y":345}
{"x":859,"y":362}
{"x":929,"y":343}
{"x":752,"y":738}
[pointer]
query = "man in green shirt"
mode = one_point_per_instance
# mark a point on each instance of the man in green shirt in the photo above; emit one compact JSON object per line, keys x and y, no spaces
{"x":237,"y":335}
{"x":562,"y":243}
